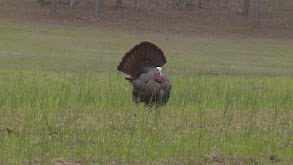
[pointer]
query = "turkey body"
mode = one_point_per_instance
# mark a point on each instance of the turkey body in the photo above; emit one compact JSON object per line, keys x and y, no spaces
{"x":148,"y":90}
{"x":143,"y":63}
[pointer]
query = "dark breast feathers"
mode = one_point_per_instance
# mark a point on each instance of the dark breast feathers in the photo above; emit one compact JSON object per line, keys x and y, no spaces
{"x":140,"y":63}
{"x":146,"y":88}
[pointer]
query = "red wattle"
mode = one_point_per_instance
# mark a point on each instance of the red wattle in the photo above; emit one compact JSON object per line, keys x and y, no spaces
{"x":160,"y":79}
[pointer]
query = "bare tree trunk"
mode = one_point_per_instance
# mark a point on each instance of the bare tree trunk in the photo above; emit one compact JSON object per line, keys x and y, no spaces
{"x":200,"y":4}
{"x":53,"y":9}
{"x":136,"y":5}
{"x":118,"y":3}
{"x":257,"y":13}
{"x":96,"y":9}
{"x":182,"y":4}
{"x":71,"y":3}
{"x":245,"y":7}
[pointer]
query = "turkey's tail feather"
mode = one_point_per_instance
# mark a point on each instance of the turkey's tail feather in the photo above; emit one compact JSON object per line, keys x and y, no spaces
{"x":144,"y":52}
{"x":130,"y":79}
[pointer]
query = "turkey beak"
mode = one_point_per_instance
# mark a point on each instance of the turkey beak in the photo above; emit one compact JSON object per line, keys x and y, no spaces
{"x":159,"y":73}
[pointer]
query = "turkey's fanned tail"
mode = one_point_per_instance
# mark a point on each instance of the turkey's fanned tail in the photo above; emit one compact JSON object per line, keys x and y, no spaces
{"x":144,"y":52}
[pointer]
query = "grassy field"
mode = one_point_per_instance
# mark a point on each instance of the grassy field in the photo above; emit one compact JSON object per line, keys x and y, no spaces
{"x":62,"y":100}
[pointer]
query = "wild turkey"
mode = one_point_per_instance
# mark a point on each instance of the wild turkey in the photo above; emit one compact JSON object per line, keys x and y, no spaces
{"x":143,"y":63}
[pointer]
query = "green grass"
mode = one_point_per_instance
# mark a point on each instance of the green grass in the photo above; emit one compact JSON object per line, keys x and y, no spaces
{"x":62,"y":100}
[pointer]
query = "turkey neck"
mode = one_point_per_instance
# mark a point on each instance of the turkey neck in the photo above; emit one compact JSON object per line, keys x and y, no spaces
{"x":144,"y":68}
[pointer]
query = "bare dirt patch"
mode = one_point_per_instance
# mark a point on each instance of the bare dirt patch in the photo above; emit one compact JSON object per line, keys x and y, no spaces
{"x":216,"y":17}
